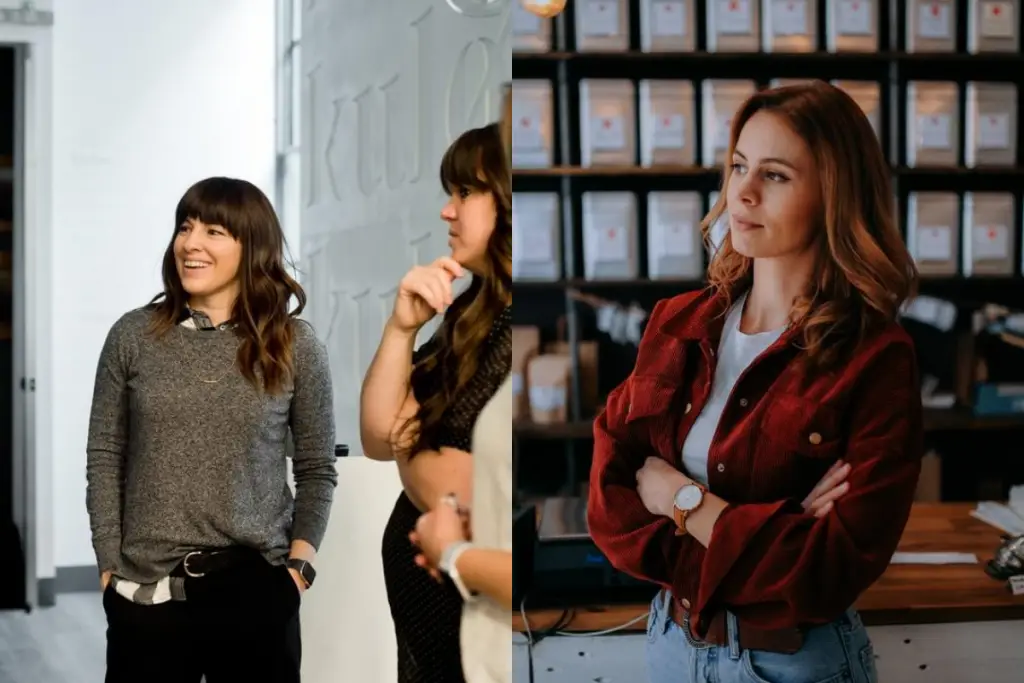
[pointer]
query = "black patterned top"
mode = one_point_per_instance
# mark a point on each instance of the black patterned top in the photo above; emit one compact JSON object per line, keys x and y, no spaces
{"x":427,"y":615}
{"x":456,"y":428}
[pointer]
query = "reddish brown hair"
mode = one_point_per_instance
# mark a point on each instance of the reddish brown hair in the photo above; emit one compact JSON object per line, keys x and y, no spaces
{"x":864,"y":271}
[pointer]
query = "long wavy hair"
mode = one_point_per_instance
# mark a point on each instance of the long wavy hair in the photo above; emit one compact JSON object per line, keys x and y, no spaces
{"x":863,"y":270}
{"x":261,"y":312}
{"x":475,"y":162}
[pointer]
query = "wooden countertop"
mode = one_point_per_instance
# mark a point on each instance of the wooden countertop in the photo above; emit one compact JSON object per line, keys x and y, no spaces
{"x":906,"y":593}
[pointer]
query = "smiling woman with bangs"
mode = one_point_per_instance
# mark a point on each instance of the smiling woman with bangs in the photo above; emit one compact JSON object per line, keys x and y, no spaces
{"x":419,"y":409}
{"x":204,"y":553}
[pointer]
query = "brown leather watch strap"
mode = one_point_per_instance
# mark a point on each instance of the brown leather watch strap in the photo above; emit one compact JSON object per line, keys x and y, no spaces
{"x":679,"y":516}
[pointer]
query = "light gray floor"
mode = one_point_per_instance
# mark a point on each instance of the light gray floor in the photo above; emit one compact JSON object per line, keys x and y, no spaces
{"x":62,"y":644}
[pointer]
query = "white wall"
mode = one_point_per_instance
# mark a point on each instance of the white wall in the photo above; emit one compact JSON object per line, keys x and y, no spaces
{"x":42,"y":5}
{"x":384,"y":96}
{"x":148,"y":97}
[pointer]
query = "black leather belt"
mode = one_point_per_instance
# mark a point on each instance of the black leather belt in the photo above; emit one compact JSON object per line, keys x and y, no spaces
{"x":199,"y":563}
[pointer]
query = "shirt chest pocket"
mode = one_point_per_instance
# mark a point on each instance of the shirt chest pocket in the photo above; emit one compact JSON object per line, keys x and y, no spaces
{"x":649,"y":414}
{"x":794,"y":425}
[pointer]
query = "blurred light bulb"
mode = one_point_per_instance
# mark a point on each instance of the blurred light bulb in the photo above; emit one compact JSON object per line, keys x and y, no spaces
{"x":544,"y":8}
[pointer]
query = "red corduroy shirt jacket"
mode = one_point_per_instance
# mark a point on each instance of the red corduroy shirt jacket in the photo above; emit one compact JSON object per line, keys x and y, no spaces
{"x":769,"y":562}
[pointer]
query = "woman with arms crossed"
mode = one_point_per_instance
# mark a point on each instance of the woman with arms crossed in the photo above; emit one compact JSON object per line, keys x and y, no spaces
{"x":199,"y":397}
{"x":746,"y":393}
{"x":419,"y":408}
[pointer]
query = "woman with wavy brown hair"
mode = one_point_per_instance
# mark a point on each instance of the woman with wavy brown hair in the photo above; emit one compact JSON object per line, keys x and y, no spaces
{"x":200,"y":397}
{"x":419,"y":408}
{"x":760,"y":461}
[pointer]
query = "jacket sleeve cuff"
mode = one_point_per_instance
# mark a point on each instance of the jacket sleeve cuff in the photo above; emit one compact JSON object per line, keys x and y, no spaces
{"x":734,"y":532}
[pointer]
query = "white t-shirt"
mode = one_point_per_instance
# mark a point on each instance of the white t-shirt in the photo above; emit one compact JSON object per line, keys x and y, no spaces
{"x":486,"y":626}
{"x":736,"y":351}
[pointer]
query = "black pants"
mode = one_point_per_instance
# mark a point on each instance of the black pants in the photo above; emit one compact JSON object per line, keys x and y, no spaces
{"x":239,"y":624}
{"x":427,"y":615}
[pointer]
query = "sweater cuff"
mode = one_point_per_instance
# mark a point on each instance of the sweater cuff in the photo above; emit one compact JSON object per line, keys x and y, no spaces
{"x":108,"y":553}
{"x":310,"y":529}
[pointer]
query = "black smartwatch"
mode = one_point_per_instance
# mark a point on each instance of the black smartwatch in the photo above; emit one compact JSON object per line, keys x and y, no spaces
{"x":305,"y":570}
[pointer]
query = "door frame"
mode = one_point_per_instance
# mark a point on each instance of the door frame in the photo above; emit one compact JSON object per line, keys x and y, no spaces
{"x":23,"y":443}
{"x":32,"y":292}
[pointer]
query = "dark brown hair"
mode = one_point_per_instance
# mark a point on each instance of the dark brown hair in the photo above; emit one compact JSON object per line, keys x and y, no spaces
{"x":864,"y":271}
{"x":264,"y":321}
{"x":474,"y":162}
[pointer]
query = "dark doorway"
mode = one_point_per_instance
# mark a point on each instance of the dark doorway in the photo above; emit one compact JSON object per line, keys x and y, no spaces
{"x":12,"y":558}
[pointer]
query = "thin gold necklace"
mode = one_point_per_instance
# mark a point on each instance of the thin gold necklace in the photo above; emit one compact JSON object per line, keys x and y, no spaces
{"x":181,"y":342}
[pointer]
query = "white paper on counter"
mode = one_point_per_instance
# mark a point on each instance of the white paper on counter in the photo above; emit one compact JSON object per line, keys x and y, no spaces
{"x":934,"y":558}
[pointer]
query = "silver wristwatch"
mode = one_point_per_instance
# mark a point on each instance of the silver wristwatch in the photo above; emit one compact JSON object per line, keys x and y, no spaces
{"x":449,"y":558}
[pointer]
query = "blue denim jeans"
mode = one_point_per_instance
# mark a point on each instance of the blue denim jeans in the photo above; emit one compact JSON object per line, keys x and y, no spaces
{"x":839,"y":652}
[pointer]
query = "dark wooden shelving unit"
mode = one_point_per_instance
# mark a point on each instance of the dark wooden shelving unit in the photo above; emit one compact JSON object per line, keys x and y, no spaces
{"x":890,"y":66}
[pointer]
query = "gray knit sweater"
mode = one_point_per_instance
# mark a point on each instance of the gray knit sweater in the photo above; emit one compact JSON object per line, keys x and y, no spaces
{"x":185,"y":454}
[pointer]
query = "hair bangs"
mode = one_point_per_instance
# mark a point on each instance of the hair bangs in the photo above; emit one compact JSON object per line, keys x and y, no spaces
{"x":214,"y":201}
{"x":462,"y":166}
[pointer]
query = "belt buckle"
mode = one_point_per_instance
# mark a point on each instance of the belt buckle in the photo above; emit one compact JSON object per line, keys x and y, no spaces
{"x":184,"y":565}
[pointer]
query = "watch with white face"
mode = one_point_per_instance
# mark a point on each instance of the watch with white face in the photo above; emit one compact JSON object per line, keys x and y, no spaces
{"x":687,"y":499}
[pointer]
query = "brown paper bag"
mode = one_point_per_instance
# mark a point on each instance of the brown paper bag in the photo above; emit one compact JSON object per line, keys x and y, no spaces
{"x":587,"y":370}
{"x":548,"y":387}
{"x":525,"y":346}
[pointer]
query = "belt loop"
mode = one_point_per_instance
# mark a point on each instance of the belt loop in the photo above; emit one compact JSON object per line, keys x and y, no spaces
{"x":732,"y":628}
{"x":666,"y":611}
{"x":177,"y":587}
